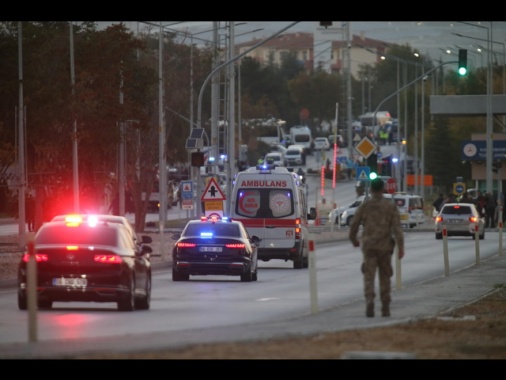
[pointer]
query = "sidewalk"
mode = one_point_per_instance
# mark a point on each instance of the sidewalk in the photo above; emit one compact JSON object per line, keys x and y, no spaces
{"x":420,"y":301}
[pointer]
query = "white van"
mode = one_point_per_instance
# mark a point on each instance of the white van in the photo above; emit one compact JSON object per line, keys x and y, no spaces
{"x":295,"y":156}
{"x":411,"y":209}
{"x":272,"y":205}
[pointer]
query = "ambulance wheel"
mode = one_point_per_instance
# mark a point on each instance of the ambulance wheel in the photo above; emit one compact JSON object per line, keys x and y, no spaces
{"x":298,"y":263}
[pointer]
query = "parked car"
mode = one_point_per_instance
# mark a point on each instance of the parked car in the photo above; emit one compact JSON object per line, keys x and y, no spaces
{"x":349,"y":213}
{"x":87,"y":260}
{"x":274,"y":159}
{"x":336,"y":215}
{"x":212,"y":246}
{"x":321,"y":143}
{"x":339,"y":140}
{"x":459,"y":219}
{"x":410,"y":210}
{"x":278,"y":148}
{"x":295,"y":156}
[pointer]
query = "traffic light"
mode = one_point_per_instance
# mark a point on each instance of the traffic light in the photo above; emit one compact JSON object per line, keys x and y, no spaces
{"x":373,"y":175}
{"x":462,"y":62}
{"x":197,"y":159}
{"x":372,"y":162}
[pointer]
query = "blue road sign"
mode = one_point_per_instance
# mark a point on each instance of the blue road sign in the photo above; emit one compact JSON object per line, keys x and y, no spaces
{"x":363,"y":173}
{"x":187,"y":189}
{"x":476,"y":150}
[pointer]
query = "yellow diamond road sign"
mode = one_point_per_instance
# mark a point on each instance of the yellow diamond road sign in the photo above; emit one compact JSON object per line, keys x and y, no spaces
{"x":365,"y":147}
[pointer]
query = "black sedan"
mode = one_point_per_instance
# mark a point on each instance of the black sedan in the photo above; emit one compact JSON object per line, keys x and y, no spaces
{"x":86,"y":260}
{"x":214,"y":247}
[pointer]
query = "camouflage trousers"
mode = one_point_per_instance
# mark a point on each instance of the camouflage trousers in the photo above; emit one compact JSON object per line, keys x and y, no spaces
{"x":380,"y":261}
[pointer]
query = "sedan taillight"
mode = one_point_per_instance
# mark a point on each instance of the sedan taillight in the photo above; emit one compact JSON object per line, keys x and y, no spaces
{"x":236,"y":245}
{"x":439,"y":219}
{"x":39,"y":257}
{"x":186,"y":245}
{"x":473,"y":219}
{"x":107,"y":259}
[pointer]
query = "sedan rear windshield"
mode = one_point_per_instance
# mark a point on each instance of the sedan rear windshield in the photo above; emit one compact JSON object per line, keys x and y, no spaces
{"x":77,"y":235}
{"x":196,"y":229}
{"x":456,"y":210}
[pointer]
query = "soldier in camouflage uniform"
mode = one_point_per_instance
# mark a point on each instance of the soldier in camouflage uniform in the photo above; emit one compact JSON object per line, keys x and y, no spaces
{"x":381,"y":231}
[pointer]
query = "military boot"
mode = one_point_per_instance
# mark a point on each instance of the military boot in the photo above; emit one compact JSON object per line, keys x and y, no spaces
{"x":369,"y":311}
{"x":385,"y":310}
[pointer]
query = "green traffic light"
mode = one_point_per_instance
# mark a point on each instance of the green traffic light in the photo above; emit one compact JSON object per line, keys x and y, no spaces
{"x":462,"y":62}
{"x":373,"y":175}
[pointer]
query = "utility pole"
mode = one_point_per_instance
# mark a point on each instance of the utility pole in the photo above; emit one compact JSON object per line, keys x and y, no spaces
{"x":231,"y":119}
{"x":346,"y":26}
{"x":21,"y":146}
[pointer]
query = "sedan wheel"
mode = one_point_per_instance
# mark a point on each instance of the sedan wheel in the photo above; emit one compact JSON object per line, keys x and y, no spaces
{"x":176,"y":276}
{"x":126,"y":302}
{"x":247,"y":277}
{"x":144,"y":303}
{"x":22,"y":302}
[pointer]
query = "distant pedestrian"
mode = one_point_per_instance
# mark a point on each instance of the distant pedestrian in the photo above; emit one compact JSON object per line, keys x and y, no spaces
{"x":480,"y":203}
{"x":489,"y":210}
{"x":381,"y":224}
{"x":30,"y":213}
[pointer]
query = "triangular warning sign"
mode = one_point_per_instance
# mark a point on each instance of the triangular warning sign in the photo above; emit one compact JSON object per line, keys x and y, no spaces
{"x":212,"y":192}
{"x":363,"y":175}
{"x":187,"y":187}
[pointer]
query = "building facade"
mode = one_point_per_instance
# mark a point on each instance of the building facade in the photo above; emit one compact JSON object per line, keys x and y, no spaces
{"x":317,"y":51}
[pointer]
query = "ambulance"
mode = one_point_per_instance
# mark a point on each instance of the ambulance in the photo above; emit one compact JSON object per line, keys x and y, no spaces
{"x":272,"y":205}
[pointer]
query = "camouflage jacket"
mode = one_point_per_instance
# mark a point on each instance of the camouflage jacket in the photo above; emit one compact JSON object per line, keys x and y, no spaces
{"x":380,"y":220}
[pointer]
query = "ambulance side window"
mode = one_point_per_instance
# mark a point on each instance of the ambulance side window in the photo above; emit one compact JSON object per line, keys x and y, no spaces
{"x":281,"y":203}
{"x":248,"y":202}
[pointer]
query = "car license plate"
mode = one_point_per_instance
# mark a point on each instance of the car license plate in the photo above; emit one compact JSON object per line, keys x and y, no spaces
{"x":210,"y":249}
{"x":453,"y":221}
{"x":77,"y":282}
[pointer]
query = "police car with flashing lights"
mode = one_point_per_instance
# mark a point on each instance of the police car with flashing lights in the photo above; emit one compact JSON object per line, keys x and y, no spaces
{"x":214,"y":246}
{"x":86,"y":260}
